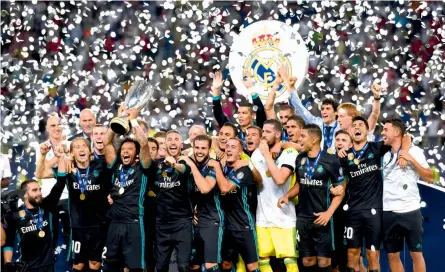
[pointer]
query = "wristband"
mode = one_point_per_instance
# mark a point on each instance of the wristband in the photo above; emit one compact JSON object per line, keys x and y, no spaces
{"x":134,"y":123}
{"x":377,"y":98}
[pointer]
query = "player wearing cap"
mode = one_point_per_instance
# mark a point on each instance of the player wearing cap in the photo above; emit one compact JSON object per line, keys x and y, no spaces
{"x":208,"y":233}
{"x":125,"y":243}
{"x":34,"y":222}
{"x":88,"y":187}
{"x":402,"y":219}
{"x":317,"y":171}
{"x":275,"y":227}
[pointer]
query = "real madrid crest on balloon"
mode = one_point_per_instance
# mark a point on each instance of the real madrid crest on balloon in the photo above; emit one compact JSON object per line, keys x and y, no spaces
{"x":260,"y":49}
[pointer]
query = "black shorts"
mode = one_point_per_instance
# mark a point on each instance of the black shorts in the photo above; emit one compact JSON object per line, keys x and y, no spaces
{"x":339,"y":256}
{"x":364,"y":224}
{"x":46,"y":268}
{"x":87,"y":244}
{"x":170,"y":237}
{"x":242,"y":242}
{"x":124,"y":247}
{"x":207,"y":245}
{"x":400,"y":226}
{"x":315,"y":240}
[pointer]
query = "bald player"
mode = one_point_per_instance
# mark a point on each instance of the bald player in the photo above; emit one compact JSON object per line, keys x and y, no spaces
{"x":194,"y":131}
{"x":55,"y":138}
{"x":87,"y":122}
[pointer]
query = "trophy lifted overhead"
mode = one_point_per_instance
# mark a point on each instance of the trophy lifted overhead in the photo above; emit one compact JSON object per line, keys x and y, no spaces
{"x":137,"y":98}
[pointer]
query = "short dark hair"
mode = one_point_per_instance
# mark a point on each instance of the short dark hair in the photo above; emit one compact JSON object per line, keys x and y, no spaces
{"x":398,"y":123}
{"x":160,"y":134}
{"x":330,"y":101}
{"x":153,"y":140}
{"x":284,"y":107}
{"x":313,"y":130}
{"x":298,"y":119}
{"x":345,"y":133}
{"x":246,"y":105}
{"x":130,"y":140}
{"x":275,"y":123}
{"x":361,"y":118}
{"x":233,"y":126}
{"x":203,"y":137}
{"x":260,"y":131}
{"x":24,"y":185}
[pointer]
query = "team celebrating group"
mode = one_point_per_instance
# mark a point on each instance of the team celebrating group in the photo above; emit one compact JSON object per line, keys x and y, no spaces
{"x":294,"y":193}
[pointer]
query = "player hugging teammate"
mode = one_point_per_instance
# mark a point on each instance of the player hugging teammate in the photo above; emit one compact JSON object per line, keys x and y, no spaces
{"x":309,"y":184}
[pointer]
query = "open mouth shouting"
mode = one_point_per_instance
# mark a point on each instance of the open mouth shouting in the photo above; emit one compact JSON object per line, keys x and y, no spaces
{"x":82,"y":156}
{"x":250,"y":145}
{"x":100,"y":144}
{"x":173,"y":149}
{"x":126,"y":159}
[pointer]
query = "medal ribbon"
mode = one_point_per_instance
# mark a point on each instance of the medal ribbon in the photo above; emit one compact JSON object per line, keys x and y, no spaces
{"x":328,"y":138}
{"x":226,"y":172}
{"x":392,"y":156}
{"x":83,"y":181}
{"x":123,"y":176}
{"x":36,"y":218}
{"x":359,"y":156}
{"x":95,"y":155}
{"x":311,"y":168}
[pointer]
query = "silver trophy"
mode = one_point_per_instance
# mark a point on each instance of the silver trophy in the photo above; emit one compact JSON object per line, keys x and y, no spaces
{"x":137,"y":98}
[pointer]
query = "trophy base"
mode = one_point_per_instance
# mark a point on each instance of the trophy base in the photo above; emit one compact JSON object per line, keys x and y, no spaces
{"x":120,"y":126}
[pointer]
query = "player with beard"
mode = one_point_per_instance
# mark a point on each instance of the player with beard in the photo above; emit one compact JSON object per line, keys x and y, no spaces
{"x":173,"y":209}
{"x":208,"y":232}
{"x":253,"y":138}
{"x":246,"y":113}
{"x":327,"y":122}
{"x":34,"y":221}
{"x":317,"y":172}
{"x":235,"y":181}
{"x":125,"y":243}
{"x":363,"y":164}
{"x":275,"y":227}
{"x":98,"y":137}
{"x":226,"y":132}
{"x":401,"y":199}
{"x":88,"y":187}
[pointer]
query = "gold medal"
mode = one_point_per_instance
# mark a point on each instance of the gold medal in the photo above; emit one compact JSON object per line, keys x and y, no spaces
{"x":41,"y":234}
{"x":356,"y":161}
{"x":121,"y":191}
{"x":331,"y":150}
{"x":151,"y":193}
{"x":268,"y":174}
{"x":164,"y":174}
{"x":303,"y":161}
{"x":350,"y":156}
{"x":22,"y":213}
{"x":82,"y":197}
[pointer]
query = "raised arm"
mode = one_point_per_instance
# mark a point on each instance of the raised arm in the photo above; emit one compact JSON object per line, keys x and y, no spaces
{"x":260,"y":113}
{"x":218,"y":82}
{"x":269,"y":106}
{"x":295,"y":101}
{"x":375,"y":114}
{"x":50,"y":202}
{"x":144,"y":155}
{"x":44,"y":167}
{"x":110,"y":152}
